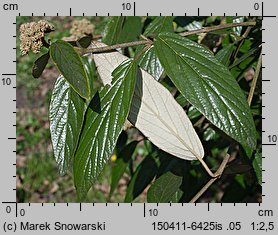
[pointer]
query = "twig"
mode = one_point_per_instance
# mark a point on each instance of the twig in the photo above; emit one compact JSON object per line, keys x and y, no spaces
{"x":149,"y":42}
{"x":147,"y":47}
{"x":211,"y":181}
{"x":218,"y":27}
{"x":240,"y":40}
{"x":116,"y":46}
{"x":98,"y":36}
{"x":255,"y":79}
{"x":200,"y":121}
{"x":203,"y":190}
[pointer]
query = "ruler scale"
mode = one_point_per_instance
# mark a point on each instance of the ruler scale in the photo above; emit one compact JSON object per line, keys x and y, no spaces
{"x":136,"y":218}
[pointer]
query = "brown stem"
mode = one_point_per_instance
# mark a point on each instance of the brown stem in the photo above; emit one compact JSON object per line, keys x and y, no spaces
{"x":147,"y":47}
{"x":218,"y":27}
{"x":200,"y":121}
{"x":116,"y":46}
{"x":211,"y":181}
{"x":96,"y":37}
{"x":255,"y":79}
{"x":240,"y":40}
{"x":149,"y":42}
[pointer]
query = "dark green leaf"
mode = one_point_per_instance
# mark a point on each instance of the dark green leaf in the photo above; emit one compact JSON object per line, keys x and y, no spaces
{"x":122,"y":29}
{"x":164,"y":188}
{"x":121,"y":164}
{"x":182,"y":101}
{"x":167,"y":162}
{"x":192,"y":112}
{"x":179,"y":168}
{"x":224,"y":54}
{"x":131,"y":29}
{"x":90,"y":69}
{"x":208,"y":85}
{"x":142,"y":177}
{"x":73,"y":43}
{"x":236,"y":191}
{"x":257,"y":165}
{"x":236,"y":168}
{"x":103,"y":124}
{"x":39,"y":65}
{"x":177,"y":196}
{"x":84,"y":42}
{"x":244,"y":57}
{"x":66,"y":115}
{"x":158,"y":25}
{"x":71,"y":67}
{"x":149,"y":61}
{"x":113,"y":29}
{"x":121,"y":142}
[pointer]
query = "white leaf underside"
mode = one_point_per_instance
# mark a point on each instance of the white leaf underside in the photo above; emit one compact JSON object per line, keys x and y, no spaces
{"x":154,"y":111}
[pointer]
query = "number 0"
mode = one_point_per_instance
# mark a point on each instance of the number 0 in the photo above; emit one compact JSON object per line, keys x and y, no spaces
{"x":22,"y":212}
{"x":8,"y":209}
{"x":256,"y":6}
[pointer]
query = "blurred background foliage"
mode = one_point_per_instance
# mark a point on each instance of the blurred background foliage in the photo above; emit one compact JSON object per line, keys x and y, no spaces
{"x":136,"y":161}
